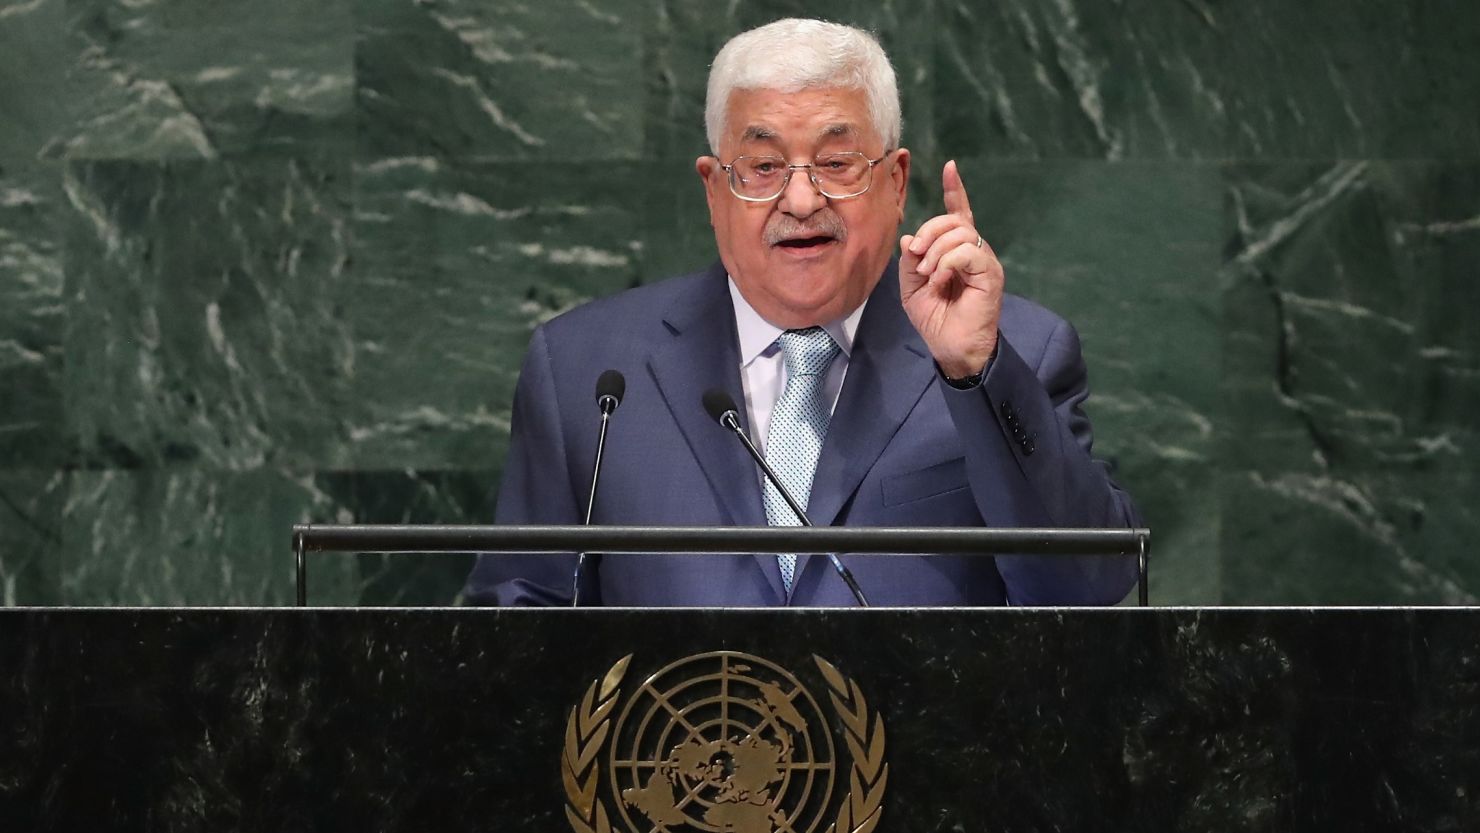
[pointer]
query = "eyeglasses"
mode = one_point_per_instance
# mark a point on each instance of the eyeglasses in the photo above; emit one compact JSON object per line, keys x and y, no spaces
{"x":836,"y":175}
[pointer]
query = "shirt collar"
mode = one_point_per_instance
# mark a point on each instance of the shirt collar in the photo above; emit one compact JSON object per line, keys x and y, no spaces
{"x":757,"y":335}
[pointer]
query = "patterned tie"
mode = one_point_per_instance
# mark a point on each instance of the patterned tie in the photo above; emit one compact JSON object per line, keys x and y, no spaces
{"x":798,"y":425}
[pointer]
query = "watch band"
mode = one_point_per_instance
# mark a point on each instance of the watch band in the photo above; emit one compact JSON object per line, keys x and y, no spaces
{"x":966,"y":382}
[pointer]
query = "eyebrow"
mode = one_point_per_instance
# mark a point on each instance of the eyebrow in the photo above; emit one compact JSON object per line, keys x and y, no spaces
{"x":755,"y":133}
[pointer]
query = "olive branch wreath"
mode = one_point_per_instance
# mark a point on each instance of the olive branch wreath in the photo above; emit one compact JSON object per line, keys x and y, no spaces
{"x":590,"y":723}
{"x":585,"y":733}
{"x":864,"y":803}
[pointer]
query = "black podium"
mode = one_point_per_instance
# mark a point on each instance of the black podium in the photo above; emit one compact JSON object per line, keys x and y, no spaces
{"x":891,"y":720}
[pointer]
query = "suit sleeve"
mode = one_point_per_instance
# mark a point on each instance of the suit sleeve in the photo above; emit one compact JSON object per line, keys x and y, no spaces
{"x":1026,"y":426}
{"x":536,"y":489}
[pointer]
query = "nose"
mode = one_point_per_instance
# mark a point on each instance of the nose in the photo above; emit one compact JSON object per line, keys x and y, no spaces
{"x":800,"y":198}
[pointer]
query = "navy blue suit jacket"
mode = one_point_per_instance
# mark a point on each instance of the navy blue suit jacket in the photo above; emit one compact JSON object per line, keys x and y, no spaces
{"x":903,"y":449}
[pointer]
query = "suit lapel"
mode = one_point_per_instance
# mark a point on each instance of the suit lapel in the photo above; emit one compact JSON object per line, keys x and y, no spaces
{"x":888,"y":371}
{"x":687,"y":366}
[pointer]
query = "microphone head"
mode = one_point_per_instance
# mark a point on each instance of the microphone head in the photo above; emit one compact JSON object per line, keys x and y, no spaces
{"x":719,"y":404}
{"x":611,"y":385}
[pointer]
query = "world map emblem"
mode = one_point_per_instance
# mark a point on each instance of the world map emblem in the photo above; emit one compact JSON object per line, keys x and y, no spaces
{"x":723,"y":742}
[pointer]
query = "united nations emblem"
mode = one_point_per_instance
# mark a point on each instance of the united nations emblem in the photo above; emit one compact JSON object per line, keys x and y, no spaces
{"x":723,"y":742}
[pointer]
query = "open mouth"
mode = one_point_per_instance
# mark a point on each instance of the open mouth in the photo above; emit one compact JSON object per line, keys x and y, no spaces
{"x":802,"y":244}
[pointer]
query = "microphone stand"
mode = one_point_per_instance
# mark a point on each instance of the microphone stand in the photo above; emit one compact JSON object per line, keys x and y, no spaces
{"x":731,"y":420}
{"x":608,"y":404}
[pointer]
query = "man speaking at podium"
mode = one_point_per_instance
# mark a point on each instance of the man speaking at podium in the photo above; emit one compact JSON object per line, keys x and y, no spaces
{"x":888,"y":381}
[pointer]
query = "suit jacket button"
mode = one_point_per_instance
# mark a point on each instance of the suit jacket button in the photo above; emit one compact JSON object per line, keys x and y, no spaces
{"x":1029,"y":448}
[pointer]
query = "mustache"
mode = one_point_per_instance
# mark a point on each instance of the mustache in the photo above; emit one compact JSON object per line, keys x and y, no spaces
{"x":824,"y":223}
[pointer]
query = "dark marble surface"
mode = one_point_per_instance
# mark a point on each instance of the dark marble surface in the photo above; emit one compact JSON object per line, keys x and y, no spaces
{"x":467,"y":79}
{"x":203,"y":328}
{"x":1207,"y":80}
{"x":32,"y":316}
{"x":185,"y":79}
{"x":1350,"y":385}
{"x":455,"y":265}
{"x":35,"y":57}
{"x":277,"y":261}
{"x":32,"y":502}
{"x":288,"y":720}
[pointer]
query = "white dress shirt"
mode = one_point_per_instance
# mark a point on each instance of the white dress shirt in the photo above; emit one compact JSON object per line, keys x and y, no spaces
{"x":763,"y":370}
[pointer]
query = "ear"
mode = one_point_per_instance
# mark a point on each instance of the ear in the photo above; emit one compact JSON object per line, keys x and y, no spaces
{"x":710,"y":173}
{"x":899,"y":175}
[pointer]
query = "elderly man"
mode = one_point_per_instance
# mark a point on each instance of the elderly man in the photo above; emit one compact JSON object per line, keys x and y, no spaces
{"x":884,"y":392}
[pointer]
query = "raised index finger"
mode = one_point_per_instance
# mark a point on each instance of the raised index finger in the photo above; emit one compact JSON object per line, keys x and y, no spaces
{"x":955,"y":191}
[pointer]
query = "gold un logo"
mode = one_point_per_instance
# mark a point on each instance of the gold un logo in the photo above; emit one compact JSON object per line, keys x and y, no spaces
{"x":722,"y":742}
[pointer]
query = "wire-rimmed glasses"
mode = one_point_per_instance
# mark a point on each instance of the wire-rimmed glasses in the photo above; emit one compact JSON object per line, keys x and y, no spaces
{"x":835,"y":175}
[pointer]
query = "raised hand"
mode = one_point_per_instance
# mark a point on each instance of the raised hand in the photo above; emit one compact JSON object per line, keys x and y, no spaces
{"x":951,"y":284}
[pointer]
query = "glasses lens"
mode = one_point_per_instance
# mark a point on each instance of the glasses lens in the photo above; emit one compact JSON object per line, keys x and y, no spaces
{"x":758,"y":177}
{"x":842,"y":174}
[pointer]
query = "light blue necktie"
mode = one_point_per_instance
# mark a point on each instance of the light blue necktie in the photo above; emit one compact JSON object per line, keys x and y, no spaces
{"x":798,"y":424}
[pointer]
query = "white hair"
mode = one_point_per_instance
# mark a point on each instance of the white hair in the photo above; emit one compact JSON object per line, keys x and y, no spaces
{"x":794,"y":54}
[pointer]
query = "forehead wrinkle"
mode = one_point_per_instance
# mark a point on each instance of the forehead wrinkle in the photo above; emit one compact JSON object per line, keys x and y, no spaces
{"x":762,"y":133}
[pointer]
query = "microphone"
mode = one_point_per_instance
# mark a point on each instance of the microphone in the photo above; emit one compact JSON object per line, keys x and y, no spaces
{"x":611,"y":386}
{"x":721,"y":407}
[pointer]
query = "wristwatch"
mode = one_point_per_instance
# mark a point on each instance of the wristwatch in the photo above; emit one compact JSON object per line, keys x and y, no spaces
{"x":965,"y":382}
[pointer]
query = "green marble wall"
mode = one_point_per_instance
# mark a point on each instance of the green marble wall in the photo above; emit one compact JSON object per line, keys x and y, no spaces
{"x":277,"y":260}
